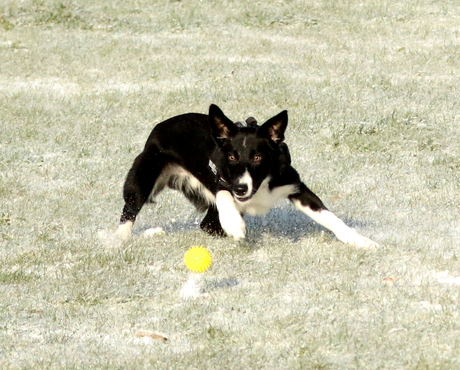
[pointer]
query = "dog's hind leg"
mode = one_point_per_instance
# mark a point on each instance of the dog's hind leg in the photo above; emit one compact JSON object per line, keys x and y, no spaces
{"x":312,"y":206}
{"x":141,"y":180}
{"x":211,"y":223}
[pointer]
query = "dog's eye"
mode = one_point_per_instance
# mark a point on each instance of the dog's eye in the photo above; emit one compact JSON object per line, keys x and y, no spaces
{"x":257,"y":158}
{"x":231,"y":158}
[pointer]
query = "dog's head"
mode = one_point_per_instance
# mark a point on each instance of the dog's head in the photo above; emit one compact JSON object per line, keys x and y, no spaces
{"x":248,"y":154}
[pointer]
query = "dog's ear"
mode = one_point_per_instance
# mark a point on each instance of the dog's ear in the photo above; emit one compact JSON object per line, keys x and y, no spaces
{"x":222,"y":127}
{"x":274,"y":128}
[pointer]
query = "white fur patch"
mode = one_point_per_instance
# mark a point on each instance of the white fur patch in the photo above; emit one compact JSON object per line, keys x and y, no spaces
{"x":264,"y":199}
{"x":246,"y":179}
{"x":330,"y":221}
{"x":153,"y":231}
{"x":182,"y":178}
{"x":124,"y":230}
{"x":229,"y":216}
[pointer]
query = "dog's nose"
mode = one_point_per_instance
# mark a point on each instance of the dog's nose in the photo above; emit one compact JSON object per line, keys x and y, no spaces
{"x":241,"y":190}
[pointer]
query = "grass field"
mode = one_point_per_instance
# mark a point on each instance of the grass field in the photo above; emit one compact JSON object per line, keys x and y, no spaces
{"x":372,"y":93}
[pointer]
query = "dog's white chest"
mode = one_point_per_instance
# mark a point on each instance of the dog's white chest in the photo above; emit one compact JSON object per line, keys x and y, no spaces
{"x":265,"y":199}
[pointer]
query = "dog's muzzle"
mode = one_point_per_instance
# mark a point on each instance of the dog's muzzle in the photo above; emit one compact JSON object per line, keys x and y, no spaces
{"x":243,"y":188}
{"x":242,"y":193}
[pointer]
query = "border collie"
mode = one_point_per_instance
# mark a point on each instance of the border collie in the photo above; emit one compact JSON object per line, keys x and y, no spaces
{"x":227,"y":169}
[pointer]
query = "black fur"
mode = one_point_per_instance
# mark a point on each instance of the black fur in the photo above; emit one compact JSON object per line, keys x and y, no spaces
{"x":217,"y":152}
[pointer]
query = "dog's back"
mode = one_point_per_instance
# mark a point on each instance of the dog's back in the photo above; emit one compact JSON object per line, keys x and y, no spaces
{"x":185,"y":138}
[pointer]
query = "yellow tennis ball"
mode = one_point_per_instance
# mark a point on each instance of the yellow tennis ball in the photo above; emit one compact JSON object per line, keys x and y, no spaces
{"x":197,"y":259}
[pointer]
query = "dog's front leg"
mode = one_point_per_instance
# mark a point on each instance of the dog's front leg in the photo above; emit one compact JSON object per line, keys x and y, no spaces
{"x":229,"y":217}
{"x":312,"y":206}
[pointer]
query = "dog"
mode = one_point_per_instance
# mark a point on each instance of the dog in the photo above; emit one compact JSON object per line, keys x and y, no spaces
{"x":226,"y":169}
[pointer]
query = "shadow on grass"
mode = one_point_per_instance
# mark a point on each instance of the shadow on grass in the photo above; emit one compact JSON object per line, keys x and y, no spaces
{"x":214,"y":284}
{"x":284,"y":222}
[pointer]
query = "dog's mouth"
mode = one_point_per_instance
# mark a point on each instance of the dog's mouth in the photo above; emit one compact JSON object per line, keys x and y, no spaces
{"x":243,"y":199}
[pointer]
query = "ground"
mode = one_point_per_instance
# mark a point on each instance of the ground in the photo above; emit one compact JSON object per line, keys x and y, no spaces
{"x":374,"y":123}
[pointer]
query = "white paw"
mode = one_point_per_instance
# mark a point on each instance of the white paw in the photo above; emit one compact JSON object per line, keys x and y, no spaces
{"x":153,"y":231}
{"x":229,"y":217}
{"x":234,"y":226}
{"x":124,"y":230}
{"x":360,"y":241}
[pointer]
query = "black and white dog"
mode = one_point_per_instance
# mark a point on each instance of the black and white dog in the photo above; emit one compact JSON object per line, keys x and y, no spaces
{"x":227,"y":169}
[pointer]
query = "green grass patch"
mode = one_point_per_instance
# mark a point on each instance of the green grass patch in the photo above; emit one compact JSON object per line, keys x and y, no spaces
{"x":15,"y":277}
